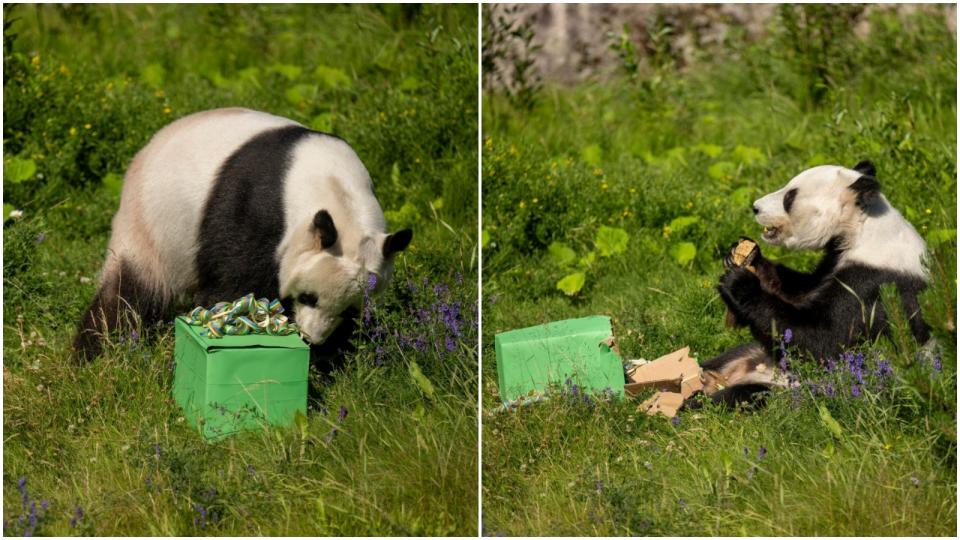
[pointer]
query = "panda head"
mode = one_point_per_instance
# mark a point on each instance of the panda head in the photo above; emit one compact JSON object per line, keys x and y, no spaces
{"x":819,"y":204}
{"x":325,"y":274}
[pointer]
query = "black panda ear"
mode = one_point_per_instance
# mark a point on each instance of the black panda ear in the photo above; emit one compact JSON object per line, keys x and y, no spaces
{"x":324,"y":228}
{"x":397,"y":241}
{"x":867,"y":189}
{"x":866,"y":167}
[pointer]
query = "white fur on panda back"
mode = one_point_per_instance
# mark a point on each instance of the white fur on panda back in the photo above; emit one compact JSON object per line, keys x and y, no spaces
{"x":889,"y":242}
{"x":165,"y":190}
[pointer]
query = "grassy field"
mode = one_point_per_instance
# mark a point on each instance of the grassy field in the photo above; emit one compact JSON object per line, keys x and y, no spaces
{"x":102,"y":449}
{"x":627,"y":193}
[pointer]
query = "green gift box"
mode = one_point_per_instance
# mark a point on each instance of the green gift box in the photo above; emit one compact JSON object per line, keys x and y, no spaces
{"x":531,"y":359}
{"x":239,"y":382}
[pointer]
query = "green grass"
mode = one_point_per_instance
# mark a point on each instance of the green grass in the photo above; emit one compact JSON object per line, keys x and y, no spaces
{"x":637,"y":153}
{"x":85,"y":87}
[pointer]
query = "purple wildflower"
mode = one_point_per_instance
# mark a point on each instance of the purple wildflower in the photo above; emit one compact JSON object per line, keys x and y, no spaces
{"x":884,"y":369}
{"x":371,"y":282}
{"x":788,"y":336}
{"x":451,"y":344}
{"x":762,"y":452}
{"x":329,"y":437}
{"x":342,"y":414}
{"x":22,"y":485}
{"x":937,"y":366}
{"x":829,"y":391}
{"x":323,"y":410}
{"x":41,"y":237}
{"x":675,"y":420}
{"x":420,"y":344}
{"x":854,"y":390}
{"x":458,"y":277}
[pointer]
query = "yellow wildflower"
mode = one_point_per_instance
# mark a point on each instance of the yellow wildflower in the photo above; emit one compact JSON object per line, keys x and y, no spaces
{"x":523,"y":204}
{"x":73,"y":131}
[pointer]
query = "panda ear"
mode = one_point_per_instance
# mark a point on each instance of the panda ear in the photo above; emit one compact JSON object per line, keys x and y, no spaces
{"x":396,"y":242}
{"x":324,"y":229}
{"x":867,"y":189}
{"x":866,"y":167}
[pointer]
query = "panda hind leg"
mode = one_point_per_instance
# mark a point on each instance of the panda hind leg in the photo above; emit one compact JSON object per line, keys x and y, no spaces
{"x":744,"y":374}
{"x":124,"y":300}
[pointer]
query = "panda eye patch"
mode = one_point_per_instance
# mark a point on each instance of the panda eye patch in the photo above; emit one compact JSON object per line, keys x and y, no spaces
{"x":788,"y":200}
{"x":307,"y":299}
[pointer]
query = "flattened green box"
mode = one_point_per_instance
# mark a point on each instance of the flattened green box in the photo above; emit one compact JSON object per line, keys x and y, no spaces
{"x":531,"y":359}
{"x":238,"y":382}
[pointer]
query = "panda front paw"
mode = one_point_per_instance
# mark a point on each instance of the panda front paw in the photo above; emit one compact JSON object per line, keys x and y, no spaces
{"x":740,"y":285}
{"x":745,"y":252}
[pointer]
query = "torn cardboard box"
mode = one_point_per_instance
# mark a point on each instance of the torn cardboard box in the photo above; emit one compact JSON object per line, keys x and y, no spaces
{"x":675,"y":376}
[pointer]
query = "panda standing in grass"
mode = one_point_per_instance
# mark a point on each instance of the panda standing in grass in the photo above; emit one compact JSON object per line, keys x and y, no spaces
{"x":232,"y":201}
{"x":866,"y":243}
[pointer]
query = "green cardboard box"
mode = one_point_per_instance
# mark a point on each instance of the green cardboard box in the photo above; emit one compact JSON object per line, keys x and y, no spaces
{"x":239,"y":382}
{"x":531,"y":359}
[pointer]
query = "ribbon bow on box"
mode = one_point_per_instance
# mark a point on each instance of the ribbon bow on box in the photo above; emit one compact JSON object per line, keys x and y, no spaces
{"x":247,"y":315}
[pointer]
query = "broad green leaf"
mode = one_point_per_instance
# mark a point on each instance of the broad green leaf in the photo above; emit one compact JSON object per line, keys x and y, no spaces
{"x":410,"y":84}
{"x":683,"y":252}
{"x":289,"y":72}
{"x":300,"y":93}
{"x":741,"y":197}
{"x":484,"y":238}
{"x":722,"y":170}
{"x":611,"y":240}
{"x":406,"y":216}
{"x":709,"y":150}
{"x":572,"y":284}
{"x":332,"y":77}
{"x":17,"y":170}
{"x":395,"y":175}
{"x":749,"y":155}
{"x":676,"y":155}
{"x":939,"y":236}
{"x":592,"y":154}
{"x":587,"y":260}
{"x":562,"y":254}
{"x":422,"y":381}
{"x":7,"y":208}
{"x":153,"y":75}
{"x":829,"y":422}
{"x":323,"y":122}
{"x":680,"y":223}
{"x":114,"y":183}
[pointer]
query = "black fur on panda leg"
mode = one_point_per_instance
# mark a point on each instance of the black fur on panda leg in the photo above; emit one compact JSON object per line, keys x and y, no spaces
{"x":741,"y":375}
{"x":123,"y":299}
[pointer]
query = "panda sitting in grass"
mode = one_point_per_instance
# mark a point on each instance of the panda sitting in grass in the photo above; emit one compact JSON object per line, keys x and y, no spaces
{"x":866,"y":243}
{"x":227,"y":202}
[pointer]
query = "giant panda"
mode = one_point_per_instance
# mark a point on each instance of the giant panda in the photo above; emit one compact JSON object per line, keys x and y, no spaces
{"x":865,"y":242}
{"x":231,"y":201}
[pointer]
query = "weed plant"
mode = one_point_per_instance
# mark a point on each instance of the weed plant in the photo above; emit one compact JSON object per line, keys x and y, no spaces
{"x":663,"y":176}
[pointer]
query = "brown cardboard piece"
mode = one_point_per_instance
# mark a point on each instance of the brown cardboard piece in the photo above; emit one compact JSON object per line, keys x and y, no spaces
{"x":666,"y":403}
{"x":676,"y":376}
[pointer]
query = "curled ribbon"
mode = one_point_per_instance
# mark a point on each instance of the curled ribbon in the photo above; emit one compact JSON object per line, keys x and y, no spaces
{"x":247,"y":315}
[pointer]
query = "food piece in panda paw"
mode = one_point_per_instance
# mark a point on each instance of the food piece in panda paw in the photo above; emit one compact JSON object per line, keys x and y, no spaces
{"x":744,"y":254}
